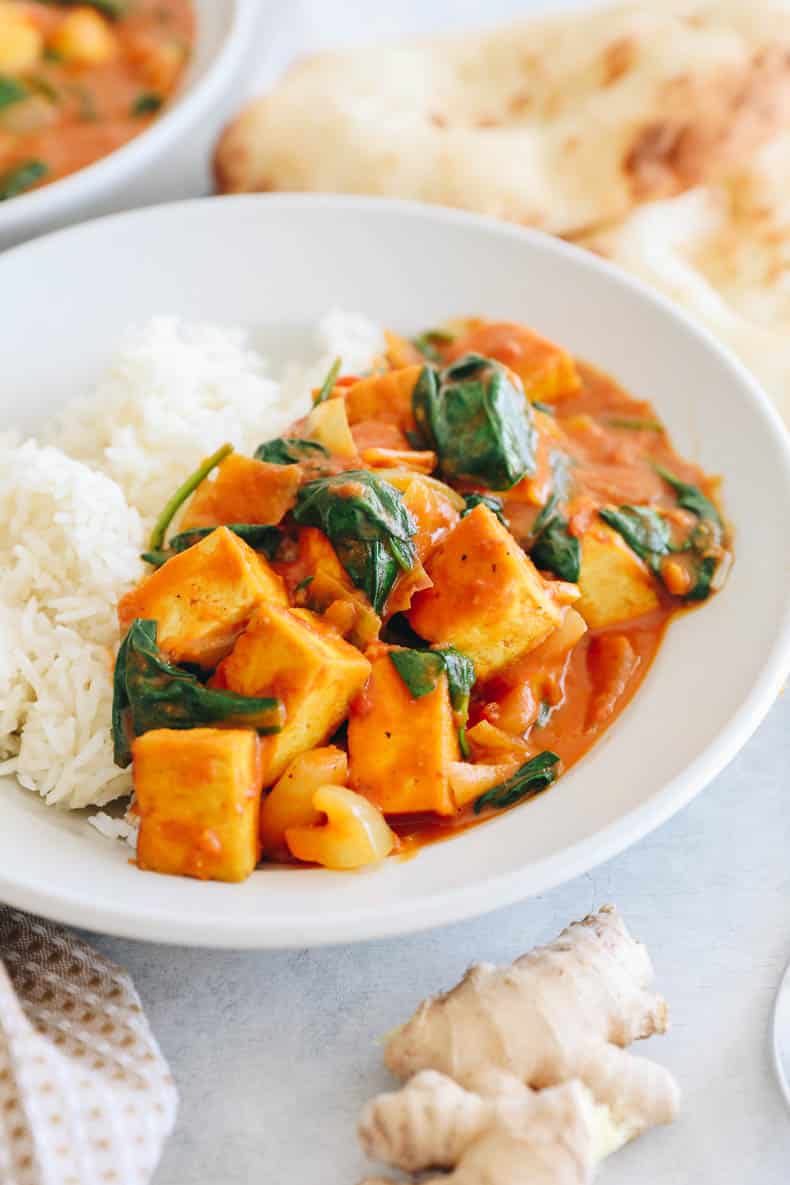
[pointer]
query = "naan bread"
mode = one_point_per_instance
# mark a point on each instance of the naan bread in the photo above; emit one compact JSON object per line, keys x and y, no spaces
{"x":723,"y":252}
{"x":563,"y":122}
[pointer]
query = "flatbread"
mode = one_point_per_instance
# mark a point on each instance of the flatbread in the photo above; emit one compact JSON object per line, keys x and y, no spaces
{"x":564,"y":122}
{"x":723,"y":252}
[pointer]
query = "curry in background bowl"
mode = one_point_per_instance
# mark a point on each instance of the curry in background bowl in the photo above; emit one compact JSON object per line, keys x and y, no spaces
{"x":78,"y":81}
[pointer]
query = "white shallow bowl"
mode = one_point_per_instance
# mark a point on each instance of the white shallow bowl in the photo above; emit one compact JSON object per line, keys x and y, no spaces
{"x":224,"y":31}
{"x":284,"y":261}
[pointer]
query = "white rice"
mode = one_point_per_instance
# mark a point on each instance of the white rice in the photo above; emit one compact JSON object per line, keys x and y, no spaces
{"x":110,"y":827}
{"x":176,"y":392}
{"x":73,"y":517}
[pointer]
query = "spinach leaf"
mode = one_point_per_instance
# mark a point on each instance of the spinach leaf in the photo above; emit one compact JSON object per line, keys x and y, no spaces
{"x":367,"y":523}
{"x":705,"y":571}
{"x":109,"y":8}
{"x":398,"y":632}
{"x":146,"y":103}
{"x":290,"y":450}
{"x":535,"y":775}
{"x":421,"y":670}
{"x":634,"y":423}
{"x":556,"y":550}
{"x":705,"y":541}
{"x":476,"y":421}
{"x":328,"y":385}
{"x":493,"y":503}
{"x":371,"y":566}
{"x":11,"y":91}
{"x":427,"y":342}
{"x":261,"y":538}
{"x":460,"y":676}
{"x":21,"y":178}
{"x":552,"y":547}
{"x":690,"y":497}
{"x":186,"y":488}
{"x":646,"y":532}
{"x":42,"y":86}
{"x":150,"y":692}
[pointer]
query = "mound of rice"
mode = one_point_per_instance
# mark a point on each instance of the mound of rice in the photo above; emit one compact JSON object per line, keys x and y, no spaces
{"x":177,"y":391}
{"x":74,"y":512}
{"x":69,"y":546}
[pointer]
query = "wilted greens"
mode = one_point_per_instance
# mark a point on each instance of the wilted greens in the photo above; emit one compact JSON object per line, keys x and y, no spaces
{"x":290,"y":450}
{"x":493,"y":503}
{"x":147,"y":103}
{"x":645,"y":531}
{"x":187,"y":487}
{"x":427,"y":342}
{"x":476,"y":420}
{"x":11,"y":91}
{"x":328,"y":385}
{"x":421,"y":670}
{"x":109,"y":8}
{"x":690,"y":497}
{"x":368,"y":525}
{"x":551,"y":545}
{"x":21,"y":178}
{"x":535,"y":775}
{"x":261,"y":538}
{"x":150,"y":692}
{"x":635,"y":423}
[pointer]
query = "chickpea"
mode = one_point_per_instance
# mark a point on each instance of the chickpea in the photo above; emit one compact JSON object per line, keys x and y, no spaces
{"x":85,"y":38}
{"x":355,"y":832}
{"x":21,"y":43}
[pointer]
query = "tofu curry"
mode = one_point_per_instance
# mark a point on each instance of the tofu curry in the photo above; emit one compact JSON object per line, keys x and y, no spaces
{"x":414,"y":610}
{"x":78,"y":80}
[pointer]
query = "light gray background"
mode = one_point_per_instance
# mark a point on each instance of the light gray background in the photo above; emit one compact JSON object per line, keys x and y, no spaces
{"x":275,"y":1053}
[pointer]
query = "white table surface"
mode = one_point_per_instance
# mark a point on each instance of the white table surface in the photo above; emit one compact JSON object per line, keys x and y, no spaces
{"x":275,"y":1053}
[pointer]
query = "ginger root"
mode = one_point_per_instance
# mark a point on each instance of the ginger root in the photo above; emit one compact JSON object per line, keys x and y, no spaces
{"x":519,"y":1074}
{"x":524,"y":1135}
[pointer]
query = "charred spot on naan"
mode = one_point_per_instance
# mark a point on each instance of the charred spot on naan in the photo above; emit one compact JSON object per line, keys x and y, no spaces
{"x":721,"y":122}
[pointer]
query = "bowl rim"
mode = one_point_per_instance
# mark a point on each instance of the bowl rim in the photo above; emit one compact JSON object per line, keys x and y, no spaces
{"x":94,"y":180}
{"x":359,"y":923}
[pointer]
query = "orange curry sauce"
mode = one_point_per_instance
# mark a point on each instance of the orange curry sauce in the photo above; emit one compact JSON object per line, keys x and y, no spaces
{"x":77,"y":81}
{"x":607,"y":666}
{"x":620,"y":531}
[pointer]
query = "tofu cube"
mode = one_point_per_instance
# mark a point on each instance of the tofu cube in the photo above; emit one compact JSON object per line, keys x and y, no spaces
{"x":293,"y":654}
{"x":547,"y":371}
{"x":199,"y":797}
{"x":433,"y":512}
{"x":385,"y":397}
{"x":488,"y":599}
{"x":203,"y":598}
{"x":243,"y":491}
{"x":401,"y":749}
{"x":615,"y":584}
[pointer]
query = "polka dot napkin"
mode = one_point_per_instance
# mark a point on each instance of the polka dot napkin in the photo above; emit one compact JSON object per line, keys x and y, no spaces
{"x":85,"y":1095}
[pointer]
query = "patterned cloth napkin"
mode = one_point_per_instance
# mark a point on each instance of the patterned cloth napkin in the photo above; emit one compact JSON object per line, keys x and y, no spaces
{"x":86,"y":1097}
